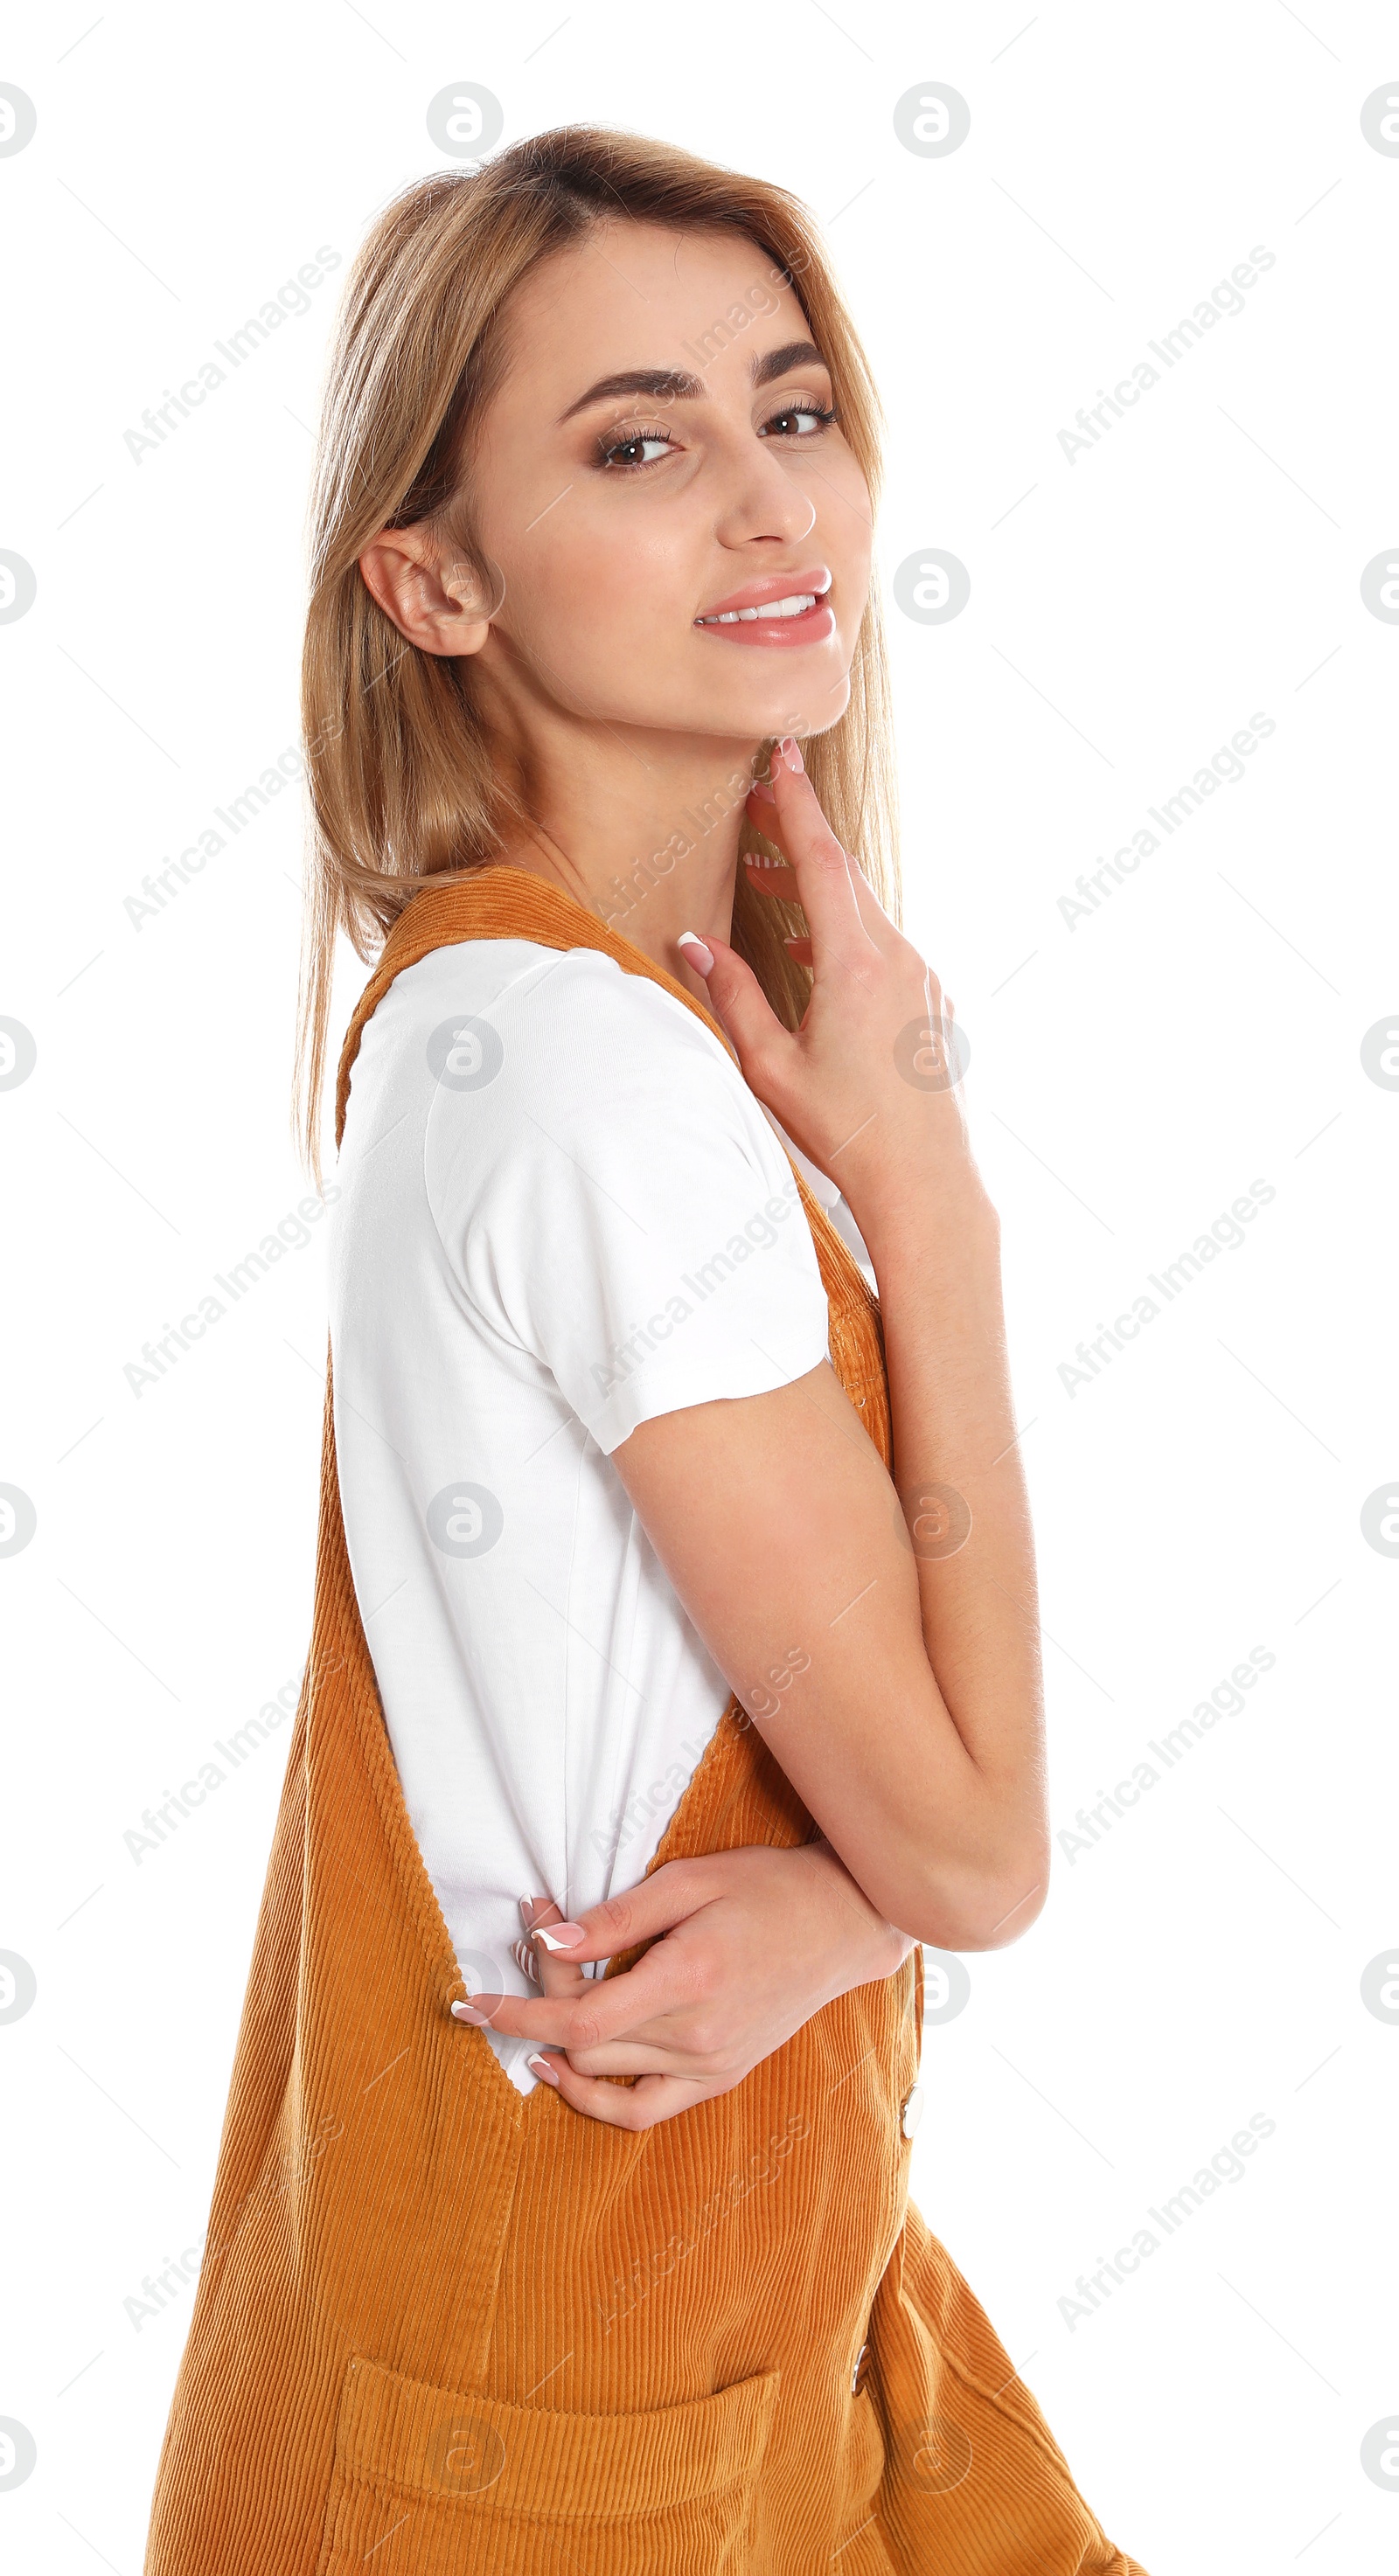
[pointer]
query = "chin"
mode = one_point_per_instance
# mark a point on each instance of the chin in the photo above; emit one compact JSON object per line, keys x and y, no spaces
{"x":801,"y":711}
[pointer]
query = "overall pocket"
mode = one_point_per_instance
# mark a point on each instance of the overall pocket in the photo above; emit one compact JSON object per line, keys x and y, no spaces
{"x":428,"y":2482}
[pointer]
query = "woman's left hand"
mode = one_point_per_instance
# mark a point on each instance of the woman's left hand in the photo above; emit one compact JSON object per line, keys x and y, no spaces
{"x":756,"y":1941}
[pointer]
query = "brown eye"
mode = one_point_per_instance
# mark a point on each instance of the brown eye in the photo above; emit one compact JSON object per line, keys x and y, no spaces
{"x":627,"y":454}
{"x":798,"y":420}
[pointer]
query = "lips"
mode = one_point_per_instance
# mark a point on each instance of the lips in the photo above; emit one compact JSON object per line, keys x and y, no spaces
{"x":785,"y":608}
{"x":795,"y":604}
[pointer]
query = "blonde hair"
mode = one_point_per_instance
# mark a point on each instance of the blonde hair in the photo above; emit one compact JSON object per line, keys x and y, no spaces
{"x":403,"y":785}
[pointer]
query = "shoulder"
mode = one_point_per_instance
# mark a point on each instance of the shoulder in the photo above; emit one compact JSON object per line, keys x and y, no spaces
{"x":570,"y":1028}
{"x":586,"y":1015}
{"x":572,"y":1068}
{"x":534,"y":995}
{"x":510,"y":1021}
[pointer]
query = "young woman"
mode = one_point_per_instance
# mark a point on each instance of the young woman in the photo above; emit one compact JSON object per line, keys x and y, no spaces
{"x":591,"y":2249}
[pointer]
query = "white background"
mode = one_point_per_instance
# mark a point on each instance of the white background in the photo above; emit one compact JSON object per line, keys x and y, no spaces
{"x":1131,"y":1076}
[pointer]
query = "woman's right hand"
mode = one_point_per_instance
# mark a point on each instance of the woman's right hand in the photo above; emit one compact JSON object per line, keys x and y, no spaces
{"x":868,"y":1086}
{"x":746,"y":1946}
{"x":905,"y":1699}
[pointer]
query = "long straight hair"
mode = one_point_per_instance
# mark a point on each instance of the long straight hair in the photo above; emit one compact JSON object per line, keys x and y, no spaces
{"x":403,"y":782}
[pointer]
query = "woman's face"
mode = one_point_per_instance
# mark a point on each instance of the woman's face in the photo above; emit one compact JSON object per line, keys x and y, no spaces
{"x":660,"y":455}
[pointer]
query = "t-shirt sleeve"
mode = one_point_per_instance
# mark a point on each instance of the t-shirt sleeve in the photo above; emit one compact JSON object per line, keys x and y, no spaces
{"x":615,"y":1203}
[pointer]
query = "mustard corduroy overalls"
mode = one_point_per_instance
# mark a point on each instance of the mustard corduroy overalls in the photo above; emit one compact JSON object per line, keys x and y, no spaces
{"x":446,"y":2329}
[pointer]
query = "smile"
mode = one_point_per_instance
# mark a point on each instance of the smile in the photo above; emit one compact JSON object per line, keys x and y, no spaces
{"x":766,"y":613}
{"x":796,"y":606}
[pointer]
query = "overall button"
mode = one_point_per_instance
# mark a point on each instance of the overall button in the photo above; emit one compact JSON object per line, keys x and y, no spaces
{"x":912,"y":2110}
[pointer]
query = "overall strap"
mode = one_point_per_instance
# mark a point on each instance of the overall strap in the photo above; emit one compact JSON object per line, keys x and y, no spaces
{"x":495,"y":902}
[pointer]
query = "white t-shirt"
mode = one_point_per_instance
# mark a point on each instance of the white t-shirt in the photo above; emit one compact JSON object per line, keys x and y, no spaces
{"x":563,"y":1212}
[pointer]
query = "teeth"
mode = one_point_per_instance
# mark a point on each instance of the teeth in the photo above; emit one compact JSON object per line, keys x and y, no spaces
{"x":796,"y":606}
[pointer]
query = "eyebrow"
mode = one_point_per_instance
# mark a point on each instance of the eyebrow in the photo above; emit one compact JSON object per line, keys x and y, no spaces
{"x":675,"y":384}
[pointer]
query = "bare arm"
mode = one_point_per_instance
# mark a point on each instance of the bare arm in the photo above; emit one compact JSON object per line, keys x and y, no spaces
{"x":894,"y":1673}
{"x":885,"y":1643}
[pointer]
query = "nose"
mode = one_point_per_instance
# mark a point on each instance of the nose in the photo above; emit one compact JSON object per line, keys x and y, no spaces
{"x":762,"y":498}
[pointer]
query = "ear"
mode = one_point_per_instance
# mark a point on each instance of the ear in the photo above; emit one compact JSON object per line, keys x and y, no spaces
{"x":436,"y":600}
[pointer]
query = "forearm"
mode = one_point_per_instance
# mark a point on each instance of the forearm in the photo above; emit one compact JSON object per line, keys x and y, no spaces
{"x":907,"y":1712}
{"x":865,"y":1944}
{"x":935,"y":1245}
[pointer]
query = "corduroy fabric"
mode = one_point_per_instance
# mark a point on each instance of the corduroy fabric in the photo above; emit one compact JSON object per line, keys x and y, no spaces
{"x":444,"y":2329}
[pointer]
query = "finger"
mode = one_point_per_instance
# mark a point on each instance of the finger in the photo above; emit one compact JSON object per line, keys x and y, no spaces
{"x":827,"y":888}
{"x":622,"y":2106}
{"x":533,"y":1909}
{"x":600,"y":2012}
{"x":770,"y":876}
{"x":655,"y":1905}
{"x":631,"y":2057}
{"x":547,"y":2025}
{"x":760,"y":806}
{"x":872,"y":913}
{"x":553,"y":1971}
{"x":765,"y":812}
{"x":739,"y":1004}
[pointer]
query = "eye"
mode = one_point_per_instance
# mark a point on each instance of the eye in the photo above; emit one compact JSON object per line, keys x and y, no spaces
{"x":800,"y":419}
{"x":639,"y":447}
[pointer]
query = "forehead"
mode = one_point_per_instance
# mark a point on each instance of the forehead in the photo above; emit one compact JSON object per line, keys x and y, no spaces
{"x":635,"y":295}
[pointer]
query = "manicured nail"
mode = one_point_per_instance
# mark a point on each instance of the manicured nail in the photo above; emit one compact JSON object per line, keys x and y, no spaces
{"x":541,"y":2066}
{"x":789,"y":750}
{"x":763,"y":787}
{"x":561,"y":1936}
{"x":697,"y":955}
{"x":527,"y":1906}
{"x":468,"y":2012}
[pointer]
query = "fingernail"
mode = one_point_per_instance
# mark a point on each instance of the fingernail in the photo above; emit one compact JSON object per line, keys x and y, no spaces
{"x":702,"y":959}
{"x":763,"y":787}
{"x":468,"y":2012}
{"x":561,"y":1936}
{"x":541,"y":2066}
{"x":527,"y":1906}
{"x":789,"y":750}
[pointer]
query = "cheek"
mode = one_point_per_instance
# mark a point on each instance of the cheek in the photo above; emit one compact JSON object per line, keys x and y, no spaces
{"x":845,"y":519}
{"x":588,"y":576}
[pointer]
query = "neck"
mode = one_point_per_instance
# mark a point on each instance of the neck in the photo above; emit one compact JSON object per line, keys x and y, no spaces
{"x":640,"y":827}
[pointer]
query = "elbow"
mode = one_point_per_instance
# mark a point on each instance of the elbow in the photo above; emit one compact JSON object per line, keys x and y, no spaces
{"x":988,"y":1909}
{"x":1007,"y":1908}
